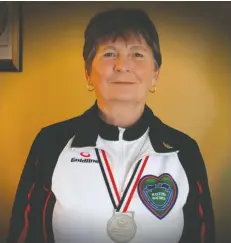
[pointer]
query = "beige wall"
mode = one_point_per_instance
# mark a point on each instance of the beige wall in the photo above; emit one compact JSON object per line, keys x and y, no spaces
{"x":192,"y":93}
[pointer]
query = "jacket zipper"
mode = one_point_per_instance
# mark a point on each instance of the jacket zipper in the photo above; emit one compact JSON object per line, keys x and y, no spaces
{"x":129,"y":174}
{"x":121,"y":163}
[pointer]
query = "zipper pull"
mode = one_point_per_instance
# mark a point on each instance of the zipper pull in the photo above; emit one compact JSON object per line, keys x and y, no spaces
{"x":121,"y":131}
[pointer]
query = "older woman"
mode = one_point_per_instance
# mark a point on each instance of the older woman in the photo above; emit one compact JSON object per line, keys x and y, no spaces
{"x":115,"y":173}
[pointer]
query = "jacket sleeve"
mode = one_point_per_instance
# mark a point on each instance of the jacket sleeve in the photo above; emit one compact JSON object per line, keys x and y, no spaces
{"x":199,"y":225}
{"x":25,"y":195}
{"x":205,"y":208}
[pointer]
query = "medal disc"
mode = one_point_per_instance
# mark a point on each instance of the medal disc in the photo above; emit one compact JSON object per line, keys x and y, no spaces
{"x":121,"y":228}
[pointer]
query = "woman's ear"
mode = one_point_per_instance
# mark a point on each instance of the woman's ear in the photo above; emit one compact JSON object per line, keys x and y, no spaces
{"x":155,"y":76}
{"x":87,"y":76}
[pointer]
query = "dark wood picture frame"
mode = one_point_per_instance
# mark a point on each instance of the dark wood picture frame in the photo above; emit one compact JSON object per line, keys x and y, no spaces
{"x":10,"y":37}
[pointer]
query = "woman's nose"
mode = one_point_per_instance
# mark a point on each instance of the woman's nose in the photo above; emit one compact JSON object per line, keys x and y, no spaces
{"x":122,"y":64}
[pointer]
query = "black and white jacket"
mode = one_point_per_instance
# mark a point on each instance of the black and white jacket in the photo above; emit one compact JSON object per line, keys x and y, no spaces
{"x":81,"y":172}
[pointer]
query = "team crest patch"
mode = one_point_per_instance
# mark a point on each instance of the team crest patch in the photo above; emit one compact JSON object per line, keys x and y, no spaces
{"x":158,"y":194}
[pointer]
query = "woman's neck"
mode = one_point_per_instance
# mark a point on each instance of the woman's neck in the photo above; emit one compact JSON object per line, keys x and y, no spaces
{"x":121,"y":114}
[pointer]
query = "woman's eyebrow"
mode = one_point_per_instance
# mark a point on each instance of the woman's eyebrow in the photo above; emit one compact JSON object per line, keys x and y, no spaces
{"x":138,"y":47}
{"x":108,"y":47}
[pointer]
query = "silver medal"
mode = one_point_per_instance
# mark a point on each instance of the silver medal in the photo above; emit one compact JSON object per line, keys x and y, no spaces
{"x":121,"y":228}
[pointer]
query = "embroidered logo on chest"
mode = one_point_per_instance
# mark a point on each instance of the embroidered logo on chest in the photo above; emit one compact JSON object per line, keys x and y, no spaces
{"x":158,"y":194}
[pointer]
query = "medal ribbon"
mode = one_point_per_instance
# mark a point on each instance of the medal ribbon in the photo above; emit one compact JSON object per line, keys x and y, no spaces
{"x":126,"y":198}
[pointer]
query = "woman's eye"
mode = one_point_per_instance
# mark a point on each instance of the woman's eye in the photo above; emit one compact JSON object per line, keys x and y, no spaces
{"x":109,"y":54}
{"x":137,"y":54}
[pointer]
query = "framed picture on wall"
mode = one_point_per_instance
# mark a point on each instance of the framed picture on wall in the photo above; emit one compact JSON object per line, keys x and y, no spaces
{"x":10,"y":37}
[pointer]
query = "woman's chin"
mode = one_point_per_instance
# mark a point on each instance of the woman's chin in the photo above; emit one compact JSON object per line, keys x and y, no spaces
{"x":124,"y":98}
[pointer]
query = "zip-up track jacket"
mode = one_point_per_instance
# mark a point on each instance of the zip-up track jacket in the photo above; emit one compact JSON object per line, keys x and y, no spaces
{"x":80,"y":170}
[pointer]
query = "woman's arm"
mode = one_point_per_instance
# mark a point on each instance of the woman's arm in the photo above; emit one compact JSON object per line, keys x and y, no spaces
{"x":25,"y":196}
{"x":198,"y":211}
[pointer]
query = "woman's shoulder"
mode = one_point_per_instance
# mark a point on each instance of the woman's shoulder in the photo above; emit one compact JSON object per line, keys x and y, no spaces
{"x":177,"y":137}
{"x":61,"y":130}
{"x":71,"y":124}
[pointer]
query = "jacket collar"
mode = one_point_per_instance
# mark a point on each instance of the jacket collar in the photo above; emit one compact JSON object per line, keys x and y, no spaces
{"x":89,"y":125}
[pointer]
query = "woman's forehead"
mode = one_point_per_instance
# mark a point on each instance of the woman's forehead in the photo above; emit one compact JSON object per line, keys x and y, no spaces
{"x":127,"y":40}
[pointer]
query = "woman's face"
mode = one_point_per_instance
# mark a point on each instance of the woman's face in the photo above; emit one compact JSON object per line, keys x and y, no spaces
{"x":123,"y":70}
